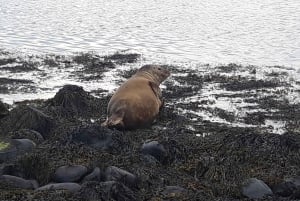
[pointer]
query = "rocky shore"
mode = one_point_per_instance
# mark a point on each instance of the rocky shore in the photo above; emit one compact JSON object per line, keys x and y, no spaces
{"x":55,"y":149}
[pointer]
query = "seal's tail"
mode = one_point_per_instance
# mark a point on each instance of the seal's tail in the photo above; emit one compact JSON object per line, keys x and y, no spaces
{"x":114,"y":120}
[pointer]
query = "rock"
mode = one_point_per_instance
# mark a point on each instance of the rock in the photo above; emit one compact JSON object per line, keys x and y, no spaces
{"x":288,"y":187}
{"x":113,"y":173}
{"x":110,"y":190}
{"x":7,"y":151}
{"x":18,"y":182}
{"x":28,"y":117}
{"x":93,"y":176}
{"x":23,"y":145}
{"x":69,"y":173}
{"x":173,"y":191}
{"x":155,"y":149}
{"x":71,"y":99}
{"x":3,"y":110}
{"x":255,"y":189}
{"x":10,"y":169}
{"x":29,"y":134}
{"x":72,"y":187}
{"x":94,"y":136}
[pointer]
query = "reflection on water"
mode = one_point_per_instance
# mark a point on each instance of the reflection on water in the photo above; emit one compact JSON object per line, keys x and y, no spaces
{"x":221,"y":31}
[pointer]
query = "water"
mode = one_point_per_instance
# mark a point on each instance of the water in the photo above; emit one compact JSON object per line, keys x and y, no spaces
{"x":220,"y":31}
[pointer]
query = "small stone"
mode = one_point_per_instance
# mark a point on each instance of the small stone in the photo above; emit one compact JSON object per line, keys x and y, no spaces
{"x":93,"y":176}
{"x":113,"y":173}
{"x":23,"y":145}
{"x":18,"y":182}
{"x":173,"y":191}
{"x":155,"y":149}
{"x":72,"y":187}
{"x":69,"y":173}
{"x":255,"y":189}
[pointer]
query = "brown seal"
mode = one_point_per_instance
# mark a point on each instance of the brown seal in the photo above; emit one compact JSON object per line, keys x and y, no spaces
{"x":137,"y":102}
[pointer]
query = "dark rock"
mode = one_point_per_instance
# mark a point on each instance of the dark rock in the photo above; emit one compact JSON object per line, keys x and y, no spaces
{"x":28,"y":117}
{"x":106,"y":191}
{"x":122,"y":58}
{"x":10,"y":169}
{"x":3,"y":109}
{"x":155,"y":149}
{"x":113,"y":173}
{"x":18,"y":182}
{"x":93,"y":176}
{"x":288,"y":187}
{"x":255,"y":189}
{"x":71,"y":100}
{"x":23,"y":145}
{"x":173,"y":191}
{"x":94,"y":136}
{"x":284,"y":189}
{"x":7,"y":151}
{"x":72,"y":187}
{"x":70,"y":173}
{"x":29,"y":134}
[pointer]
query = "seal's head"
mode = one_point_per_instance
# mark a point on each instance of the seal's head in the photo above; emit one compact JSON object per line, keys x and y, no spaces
{"x":155,"y":73}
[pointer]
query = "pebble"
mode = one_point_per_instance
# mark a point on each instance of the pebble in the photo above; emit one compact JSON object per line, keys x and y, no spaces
{"x":72,"y":187}
{"x":255,"y":189}
{"x":155,"y":149}
{"x":18,"y":182}
{"x":113,"y":173}
{"x":173,"y":191}
{"x":69,"y":173}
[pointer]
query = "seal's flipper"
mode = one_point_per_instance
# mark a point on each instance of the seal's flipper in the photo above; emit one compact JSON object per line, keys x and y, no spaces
{"x":155,"y":88}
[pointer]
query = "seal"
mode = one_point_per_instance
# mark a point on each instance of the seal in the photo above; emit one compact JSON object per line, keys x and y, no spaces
{"x":138,"y":101}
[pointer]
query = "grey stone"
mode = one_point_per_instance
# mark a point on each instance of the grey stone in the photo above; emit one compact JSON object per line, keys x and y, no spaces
{"x":69,"y":173}
{"x":24,"y":145}
{"x":18,"y":182}
{"x":255,"y":189}
{"x":155,"y":149}
{"x":72,"y":187}
{"x":113,"y":173}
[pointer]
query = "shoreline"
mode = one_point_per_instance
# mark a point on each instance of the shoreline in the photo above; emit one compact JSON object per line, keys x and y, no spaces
{"x":202,"y":148}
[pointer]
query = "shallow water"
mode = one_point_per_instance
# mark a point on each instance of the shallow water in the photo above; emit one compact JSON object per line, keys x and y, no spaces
{"x":222,"y":31}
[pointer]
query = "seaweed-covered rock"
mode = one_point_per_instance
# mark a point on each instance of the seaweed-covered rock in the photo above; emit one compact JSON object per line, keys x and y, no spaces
{"x":7,"y":151}
{"x":3,"y":110}
{"x":255,"y":189}
{"x":155,"y":149}
{"x":110,"y":190}
{"x":95,"y":175}
{"x":94,"y":136}
{"x":29,"y":134}
{"x":284,"y":189}
{"x":69,"y":173}
{"x":72,"y":187}
{"x":71,"y":100}
{"x":113,"y":173}
{"x":29,"y":117}
{"x":23,"y":145}
{"x":17,"y":182}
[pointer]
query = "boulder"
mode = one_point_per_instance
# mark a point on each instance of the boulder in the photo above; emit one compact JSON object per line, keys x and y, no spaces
{"x":69,"y":173}
{"x":18,"y":182}
{"x":72,"y":187}
{"x":113,"y":173}
{"x":255,"y":189}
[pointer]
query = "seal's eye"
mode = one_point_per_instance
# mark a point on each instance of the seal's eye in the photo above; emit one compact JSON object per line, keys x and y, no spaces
{"x":159,"y":68}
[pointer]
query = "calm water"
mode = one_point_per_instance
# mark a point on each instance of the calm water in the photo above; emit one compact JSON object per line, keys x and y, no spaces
{"x":207,"y":31}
